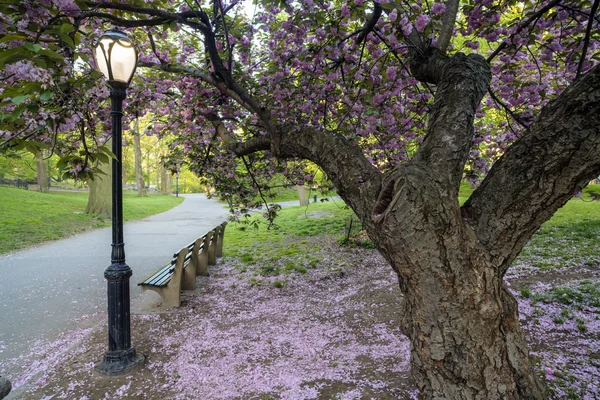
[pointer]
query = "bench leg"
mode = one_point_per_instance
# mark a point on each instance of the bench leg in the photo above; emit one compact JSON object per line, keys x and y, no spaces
{"x":189,"y":277}
{"x":171,"y":293}
{"x":212,"y":248}
{"x":171,"y":297}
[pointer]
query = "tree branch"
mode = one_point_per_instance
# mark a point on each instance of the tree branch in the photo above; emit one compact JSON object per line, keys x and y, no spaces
{"x":250,"y":146}
{"x":448,"y":25}
{"x":181,"y":17}
{"x":555,"y":158}
{"x":123,"y":22}
{"x":462,"y":85}
{"x":358,"y":182}
{"x":586,"y":41}
{"x":370,"y":23}
{"x":203,"y":76}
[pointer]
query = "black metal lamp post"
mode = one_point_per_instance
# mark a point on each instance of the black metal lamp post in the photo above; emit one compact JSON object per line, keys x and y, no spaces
{"x":116,"y":59}
{"x":177,"y":185}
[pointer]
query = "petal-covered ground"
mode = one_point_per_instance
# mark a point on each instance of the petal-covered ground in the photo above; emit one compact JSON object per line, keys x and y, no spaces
{"x":300,"y":329}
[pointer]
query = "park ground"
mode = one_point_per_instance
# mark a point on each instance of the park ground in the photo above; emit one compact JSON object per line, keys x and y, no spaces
{"x":290,"y":313}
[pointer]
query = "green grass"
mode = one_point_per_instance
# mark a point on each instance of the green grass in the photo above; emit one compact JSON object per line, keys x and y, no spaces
{"x":28,"y":217}
{"x":267,"y":244}
{"x":585,"y":293}
{"x":571,"y":237}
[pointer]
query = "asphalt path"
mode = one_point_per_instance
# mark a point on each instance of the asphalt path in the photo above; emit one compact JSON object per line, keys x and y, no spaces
{"x":47,"y":289}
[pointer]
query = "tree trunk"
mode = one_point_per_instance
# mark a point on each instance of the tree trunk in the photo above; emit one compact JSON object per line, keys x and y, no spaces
{"x":164,"y":179}
{"x":148,"y":168}
{"x":100,"y":196}
{"x":137,"y":150}
{"x":42,"y":172}
{"x":302,"y":195}
{"x":462,"y":322}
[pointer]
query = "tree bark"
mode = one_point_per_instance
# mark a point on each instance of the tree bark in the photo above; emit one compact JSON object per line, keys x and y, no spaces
{"x":42,"y":172}
{"x":466,"y":342}
{"x":100,"y":195}
{"x":137,"y":150}
{"x":557,"y":156}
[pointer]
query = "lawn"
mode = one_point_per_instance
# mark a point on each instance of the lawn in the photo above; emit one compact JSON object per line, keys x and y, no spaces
{"x":28,"y":217}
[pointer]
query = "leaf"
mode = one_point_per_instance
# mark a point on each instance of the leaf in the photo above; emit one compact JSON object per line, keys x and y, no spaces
{"x":32,"y":148}
{"x":40,"y":62}
{"x":105,"y":150}
{"x":103,"y":158}
{"x":10,"y":56}
{"x":33,"y":47}
{"x":8,"y":38}
{"x":46,"y":95}
{"x":66,"y":28}
{"x":19,"y":99}
{"x":67,"y":40}
{"x":51,"y":54}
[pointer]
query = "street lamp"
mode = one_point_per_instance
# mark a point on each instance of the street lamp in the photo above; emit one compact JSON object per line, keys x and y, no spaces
{"x":116,"y":59}
{"x":177,"y":185}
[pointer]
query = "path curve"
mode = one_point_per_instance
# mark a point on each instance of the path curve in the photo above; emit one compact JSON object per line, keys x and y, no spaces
{"x":47,"y":289}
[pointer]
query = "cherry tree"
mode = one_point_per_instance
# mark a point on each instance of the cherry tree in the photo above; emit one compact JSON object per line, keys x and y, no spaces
{"x":397,"y":102}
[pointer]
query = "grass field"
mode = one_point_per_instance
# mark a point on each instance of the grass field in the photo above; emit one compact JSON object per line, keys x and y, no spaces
{"x":28,"y":217}
{"x":571,"y":237}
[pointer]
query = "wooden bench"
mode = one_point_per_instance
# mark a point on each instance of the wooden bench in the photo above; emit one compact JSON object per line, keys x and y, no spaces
{"x":181,"y":272}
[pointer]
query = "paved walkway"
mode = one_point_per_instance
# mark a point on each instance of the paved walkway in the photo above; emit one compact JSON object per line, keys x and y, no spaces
{"x":47,"y":289}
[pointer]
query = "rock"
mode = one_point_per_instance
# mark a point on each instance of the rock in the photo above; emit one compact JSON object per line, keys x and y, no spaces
{"x":5,"y":387}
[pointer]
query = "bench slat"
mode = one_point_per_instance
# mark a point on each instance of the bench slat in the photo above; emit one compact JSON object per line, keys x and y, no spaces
{"x":160,"y":277}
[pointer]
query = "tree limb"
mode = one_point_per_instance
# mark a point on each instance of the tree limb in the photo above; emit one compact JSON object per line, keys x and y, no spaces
{"x":123,"y":22}
{"x":586,"y":41}
{"x":203,"y":76}
{"x":555,"y":158}
{"x":448,"y":23}
{"x":370,"y":23}
{"x":463,"y":83}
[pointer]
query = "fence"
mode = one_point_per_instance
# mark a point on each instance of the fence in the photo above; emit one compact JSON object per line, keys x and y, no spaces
{"x":18,"y":183}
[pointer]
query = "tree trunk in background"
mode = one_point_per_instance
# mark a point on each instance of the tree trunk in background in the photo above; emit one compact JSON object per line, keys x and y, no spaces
{"x":137,"y":150}
{"x":148,"y":167}
{"x":42,"y":172}
{"x":164,"y":179}
{"x":302,"y":195}
{"x":158,"y":175}
{"x":100,"y":196}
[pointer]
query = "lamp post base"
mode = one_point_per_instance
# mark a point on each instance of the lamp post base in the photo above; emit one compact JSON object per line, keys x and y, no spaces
{"x":118,"y":362}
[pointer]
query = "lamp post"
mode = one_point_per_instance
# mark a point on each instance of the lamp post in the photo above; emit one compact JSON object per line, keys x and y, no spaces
{"x":116,"y":59}
{"x":177,"y":185}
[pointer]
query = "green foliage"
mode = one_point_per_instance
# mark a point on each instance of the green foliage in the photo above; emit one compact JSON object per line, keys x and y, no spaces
{"x":28,"y":217}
